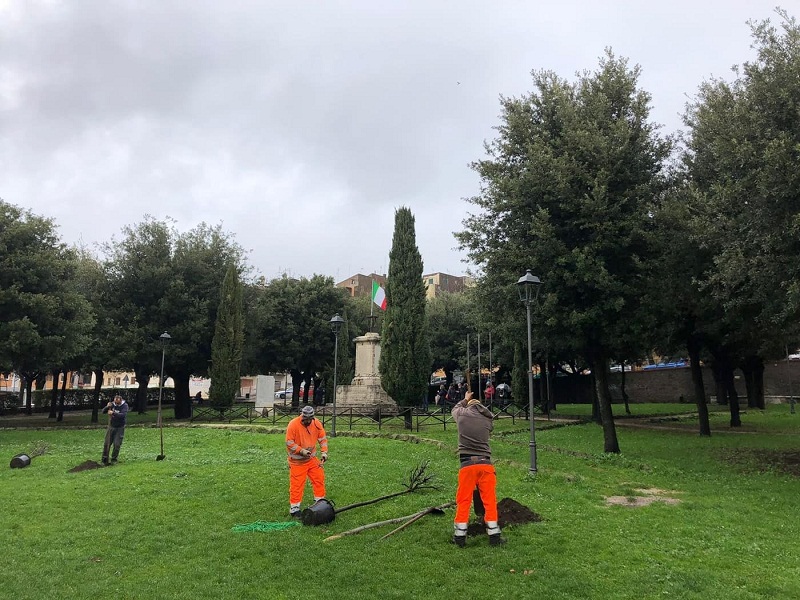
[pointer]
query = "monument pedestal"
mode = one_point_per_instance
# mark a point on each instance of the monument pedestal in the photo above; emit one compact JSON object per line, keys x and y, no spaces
{"x":365,"y":390}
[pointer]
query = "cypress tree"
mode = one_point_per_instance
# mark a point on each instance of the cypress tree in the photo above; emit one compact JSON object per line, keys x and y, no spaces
{"x":405,"y":362}
{"x":226,"y":347}
{"x":519,"y":377}
{"x":347,"y":359}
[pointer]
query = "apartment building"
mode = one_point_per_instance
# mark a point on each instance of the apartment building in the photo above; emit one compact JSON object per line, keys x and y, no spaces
{"x":361,"y":285}
{"x":436,"y":283}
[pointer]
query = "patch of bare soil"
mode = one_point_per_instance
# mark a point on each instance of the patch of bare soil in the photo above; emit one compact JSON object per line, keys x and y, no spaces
{"x":509,"y":512}
{"x":763,"y":461}
{"x":643,"y":497}
{"x":85,"y":466}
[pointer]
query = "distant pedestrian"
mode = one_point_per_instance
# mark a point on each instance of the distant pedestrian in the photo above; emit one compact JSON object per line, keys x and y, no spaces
{"x":199,"y":398}
{"x":440,"y":395}
{"x":117,"y":416}
{"x":462,"y":391}
{"x":319,"y":395}
{"x":453,"y":394}
{"x":489,"y":391}
{"x":503,"y":394}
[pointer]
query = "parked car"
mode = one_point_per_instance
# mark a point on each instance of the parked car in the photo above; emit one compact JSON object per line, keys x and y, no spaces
{"x":282,"y":394}
{"x":795,"y":356}
{"x":287,"y":393}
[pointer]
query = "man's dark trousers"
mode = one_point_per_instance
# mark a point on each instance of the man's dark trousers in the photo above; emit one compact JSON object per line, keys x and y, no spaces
{"x":114,"y":437}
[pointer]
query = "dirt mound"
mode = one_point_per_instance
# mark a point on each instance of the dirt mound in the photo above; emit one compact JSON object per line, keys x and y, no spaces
{"x":509,"y":512}
{"x":85,"y":466}
{"x":763,"y":461}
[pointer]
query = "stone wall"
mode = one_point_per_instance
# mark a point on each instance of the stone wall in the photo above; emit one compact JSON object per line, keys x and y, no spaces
{"x":675,"y":385}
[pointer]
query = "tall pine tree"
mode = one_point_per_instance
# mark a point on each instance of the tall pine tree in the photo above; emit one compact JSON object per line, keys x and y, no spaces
{"x":226,"y":348}
{"x":405,"y":362}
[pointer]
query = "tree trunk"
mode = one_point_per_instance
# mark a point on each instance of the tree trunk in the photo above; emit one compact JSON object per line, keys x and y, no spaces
{"x":719,"y":383}
{"x":600,"y":372}
{"x":98,"y":385}
{"x":61,"y":397}
{"x":296,"y":379}
{"x":753,"y":369}
{"x":733,"y":397}
{"x":54,"y":394}
{"x":759,"y":381}
{"x":551,"y":393}
{"x":26,"y":389}
{"x":142,"y":380}
{"x":625,"y":398}
{"x":183,"y":404}
{"x":595,"y":402}
{"x":306,"y":387}
{"x":543,"y":389}
{"x":22,"y":385}
{"x":748,"y":385}
{"x":29,"y":392}
{"x":407,"y":418}
{"x":693,"y":346}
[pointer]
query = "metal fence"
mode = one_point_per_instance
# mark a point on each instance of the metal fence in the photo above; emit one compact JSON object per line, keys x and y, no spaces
{"x":348,"y":417}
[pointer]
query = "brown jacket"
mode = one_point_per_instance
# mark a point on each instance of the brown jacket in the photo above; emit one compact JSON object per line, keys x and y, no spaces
{"x":474,"y":422}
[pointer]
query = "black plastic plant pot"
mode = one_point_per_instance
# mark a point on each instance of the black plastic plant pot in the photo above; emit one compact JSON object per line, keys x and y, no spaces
{"x":319,"y":513}
{"x":20,"y":461}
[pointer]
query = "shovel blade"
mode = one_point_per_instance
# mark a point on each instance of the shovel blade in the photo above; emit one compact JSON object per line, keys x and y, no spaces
{"x":160,"y":457}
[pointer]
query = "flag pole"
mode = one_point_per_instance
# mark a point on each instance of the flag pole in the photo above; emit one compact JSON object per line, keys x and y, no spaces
{"x":372,"y":306}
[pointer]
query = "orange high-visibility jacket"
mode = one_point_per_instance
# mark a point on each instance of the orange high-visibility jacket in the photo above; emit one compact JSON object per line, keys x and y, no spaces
{"x":298,"y":437}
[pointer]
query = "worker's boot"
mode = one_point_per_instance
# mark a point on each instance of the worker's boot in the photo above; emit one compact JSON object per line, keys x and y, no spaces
{"x":294,"y":511}
{"x":460,"y":534}
{"x":493,"y":530}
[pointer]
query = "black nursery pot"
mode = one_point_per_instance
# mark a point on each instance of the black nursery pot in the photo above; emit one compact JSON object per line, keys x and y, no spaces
{"x":20,"y":461}
{"x":319,"y":513}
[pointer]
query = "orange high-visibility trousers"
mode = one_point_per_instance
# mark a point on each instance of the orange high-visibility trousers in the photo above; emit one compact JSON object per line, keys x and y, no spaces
{"x":485,"y":478}
{"x":298,"y":472}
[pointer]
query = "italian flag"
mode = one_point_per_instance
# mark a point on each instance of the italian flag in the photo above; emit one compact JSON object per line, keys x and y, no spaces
{"x":378,"y":295}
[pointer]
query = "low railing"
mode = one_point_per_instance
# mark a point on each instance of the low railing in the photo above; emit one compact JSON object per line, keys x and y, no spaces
{"x":239,"y":410}
{"x":348,"y":417}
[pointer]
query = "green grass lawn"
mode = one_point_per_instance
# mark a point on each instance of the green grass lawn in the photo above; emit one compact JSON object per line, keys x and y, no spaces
{"x":147,"y":529}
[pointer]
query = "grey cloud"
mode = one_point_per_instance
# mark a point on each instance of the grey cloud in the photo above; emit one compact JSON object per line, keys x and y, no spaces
{"x":281,"y":118}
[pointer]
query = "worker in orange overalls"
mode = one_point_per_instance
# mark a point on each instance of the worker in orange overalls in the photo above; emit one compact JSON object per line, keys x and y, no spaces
{"x":302,"y":436}
{"x":475,"y":422}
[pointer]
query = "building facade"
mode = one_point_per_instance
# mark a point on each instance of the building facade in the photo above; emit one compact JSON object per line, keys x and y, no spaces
{"x":436,"y":283}
{"x":361,"y":285}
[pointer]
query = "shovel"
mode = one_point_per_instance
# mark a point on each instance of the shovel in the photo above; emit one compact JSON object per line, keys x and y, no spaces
{"x":161,"y":456}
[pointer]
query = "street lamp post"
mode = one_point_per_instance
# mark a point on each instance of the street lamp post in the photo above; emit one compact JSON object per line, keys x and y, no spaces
{"x":336,"y":325}
{"x":164,"y":338}
{"x":528,"y":287}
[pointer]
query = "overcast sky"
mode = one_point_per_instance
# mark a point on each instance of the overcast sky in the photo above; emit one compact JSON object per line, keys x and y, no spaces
{"x":301,"y":126}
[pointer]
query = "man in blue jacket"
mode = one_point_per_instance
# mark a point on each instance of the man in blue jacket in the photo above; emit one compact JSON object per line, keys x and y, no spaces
{"x":118,"y":414}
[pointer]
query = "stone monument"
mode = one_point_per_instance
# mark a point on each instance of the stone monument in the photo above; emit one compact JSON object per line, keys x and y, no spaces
{"x":365,"y":390}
